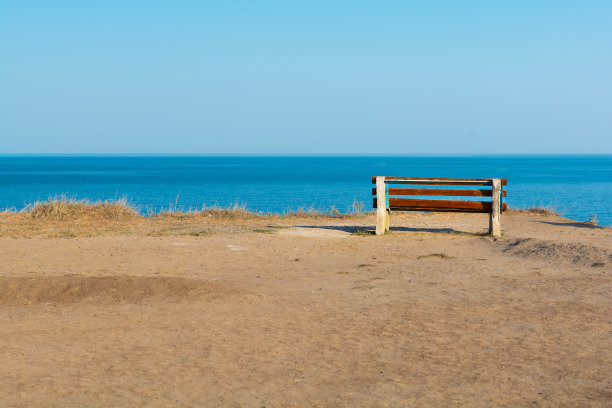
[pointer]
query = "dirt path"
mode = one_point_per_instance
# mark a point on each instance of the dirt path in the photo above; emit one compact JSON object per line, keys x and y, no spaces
{"x":433,"y":314}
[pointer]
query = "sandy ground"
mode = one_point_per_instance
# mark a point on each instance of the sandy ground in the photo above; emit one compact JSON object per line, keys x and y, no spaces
{"x":310,"y":314}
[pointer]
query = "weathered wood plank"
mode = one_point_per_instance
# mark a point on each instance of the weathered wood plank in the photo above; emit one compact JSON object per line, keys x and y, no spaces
{"x":388,"y":179}
{"x":423,"y":203}
{"x":440,"y":183}
{"x":397,"y":203}
{"x":496,"y":209}
{"x":380,"y":203}
{"x":437,"y":208}
{"x":440,"y":192}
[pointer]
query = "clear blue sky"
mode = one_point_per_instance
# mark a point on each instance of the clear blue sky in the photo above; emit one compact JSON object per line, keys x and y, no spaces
{"x":256,"y":77}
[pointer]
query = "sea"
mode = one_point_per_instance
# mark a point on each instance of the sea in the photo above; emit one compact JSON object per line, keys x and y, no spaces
{"x":579,"y":187}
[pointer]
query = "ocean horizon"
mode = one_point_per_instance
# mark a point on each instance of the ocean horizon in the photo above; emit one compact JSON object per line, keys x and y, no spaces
{"x":578,"y":186}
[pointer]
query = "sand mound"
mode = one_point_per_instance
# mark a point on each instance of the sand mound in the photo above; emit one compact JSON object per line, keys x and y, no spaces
{"x":574,"y":253}
{"x":65,"y":290}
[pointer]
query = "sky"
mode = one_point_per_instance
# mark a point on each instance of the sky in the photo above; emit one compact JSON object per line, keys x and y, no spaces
{"x":314,"y":77}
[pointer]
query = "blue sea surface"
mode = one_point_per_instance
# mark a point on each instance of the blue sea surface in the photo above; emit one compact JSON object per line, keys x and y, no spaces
{"x":578,"y":186}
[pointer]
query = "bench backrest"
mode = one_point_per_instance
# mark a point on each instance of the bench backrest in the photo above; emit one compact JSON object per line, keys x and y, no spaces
{"x":402,"y":193}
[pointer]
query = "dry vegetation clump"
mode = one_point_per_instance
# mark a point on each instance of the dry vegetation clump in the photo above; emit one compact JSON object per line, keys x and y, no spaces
{"x":593,"y":221}
{"x":67,"y":217}
{"x":310,"y":212}
{"x":64,"y":208}
{"x":363,"y":232}
{"x":238,"y":211}
{"x":232,"y":212}
{"x":357,"y":209}
{"x":64,"y":217}
{"x":542,"y":210}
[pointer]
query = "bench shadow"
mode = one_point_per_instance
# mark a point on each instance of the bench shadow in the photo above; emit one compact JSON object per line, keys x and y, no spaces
{"x":354,"y":229}
{"x":576,"y":224}
{"x":344,"y":228}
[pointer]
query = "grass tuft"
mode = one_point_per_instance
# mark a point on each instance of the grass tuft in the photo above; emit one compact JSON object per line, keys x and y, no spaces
{"x":551,"y":209}
{"x":303,"y":212}
{"x":358,"y":208}
{"x":264,"y":231}
{"x":236,"y":210}
{"x":593,"y":221}
{"x":68,"y":208}
{"x":200,"y":233}
{"x":362,"y":233}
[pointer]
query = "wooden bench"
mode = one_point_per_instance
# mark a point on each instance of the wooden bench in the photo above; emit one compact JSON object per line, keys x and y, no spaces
{"x":400,"y":197}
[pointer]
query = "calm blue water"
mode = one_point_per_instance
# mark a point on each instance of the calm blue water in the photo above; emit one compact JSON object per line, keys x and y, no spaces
{"x":579,"y":185}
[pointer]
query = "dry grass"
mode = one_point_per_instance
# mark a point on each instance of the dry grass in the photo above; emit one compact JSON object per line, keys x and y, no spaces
{"x":65,"y":208}
{"x":233,"y":211}
{"x":65,"y":217}
{"x":264,"y":231}
{"x":362,"y":232}
{"x":240,"y":211}
{"x":543,"y":210}
{"x":552,"y":210}
{"x":593,"y":221}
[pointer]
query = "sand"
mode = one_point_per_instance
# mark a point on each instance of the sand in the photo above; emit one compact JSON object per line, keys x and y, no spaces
{"x":244,"y":313}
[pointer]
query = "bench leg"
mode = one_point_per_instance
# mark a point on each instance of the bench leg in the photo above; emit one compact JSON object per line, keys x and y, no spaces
{"x":381,"y":206}
{"x":387,"y":216}
{"x":495,"y":216}
{"x":380,"y":221}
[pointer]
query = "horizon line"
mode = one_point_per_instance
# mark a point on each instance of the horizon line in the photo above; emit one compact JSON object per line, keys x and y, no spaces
{"x":300,"y":154}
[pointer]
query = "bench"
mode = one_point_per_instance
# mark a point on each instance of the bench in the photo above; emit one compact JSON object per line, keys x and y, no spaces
{"x":401,"y":197}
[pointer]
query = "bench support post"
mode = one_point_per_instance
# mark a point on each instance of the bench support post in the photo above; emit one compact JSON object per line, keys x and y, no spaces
{"x":382,"y":216}
{"x":387,"y":216}
{"x":495,"y":216}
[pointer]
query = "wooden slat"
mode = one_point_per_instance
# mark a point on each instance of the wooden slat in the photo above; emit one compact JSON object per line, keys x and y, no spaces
{"x":442,"y":204}
{"x":389,"y":178}
{"x":435,"y":178}
{"x":441,"y":183}
{"x":417,"y":203}
{"x":443,"y":210}
{"x":403,"y":204}
{"x":468,"y":192}
{"x":436,"y":209}
{"x":393,"y":180}
{"x":504,"y":181}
